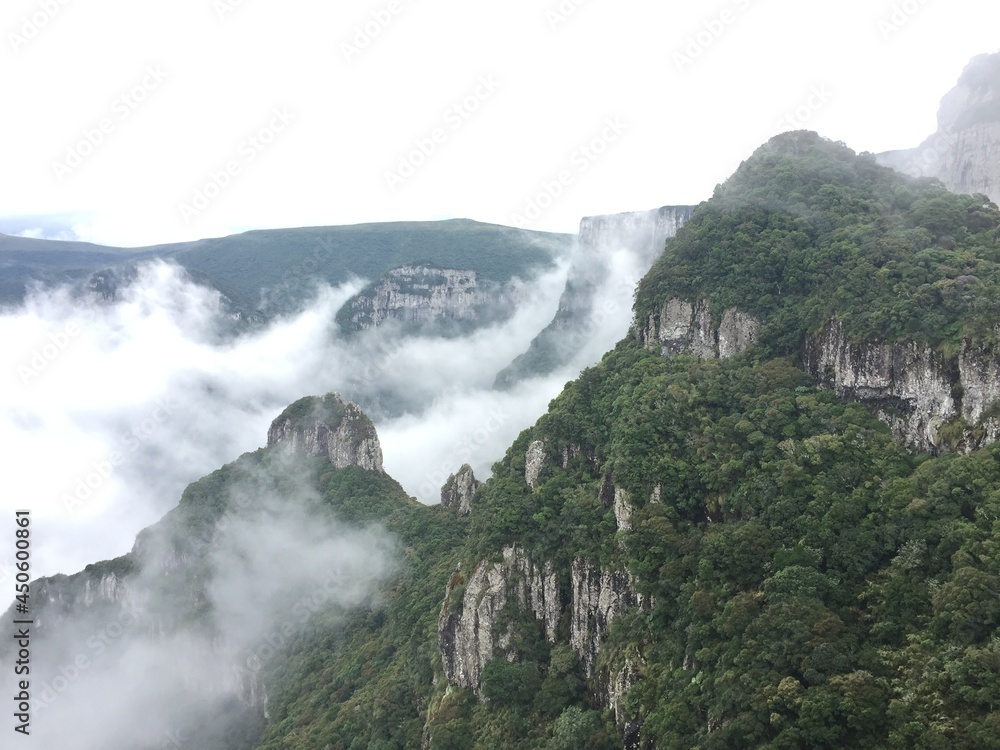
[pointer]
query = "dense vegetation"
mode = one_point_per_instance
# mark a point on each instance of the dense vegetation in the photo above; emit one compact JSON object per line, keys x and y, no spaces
{"x":813,"y":584}
{"x":805,"y":581}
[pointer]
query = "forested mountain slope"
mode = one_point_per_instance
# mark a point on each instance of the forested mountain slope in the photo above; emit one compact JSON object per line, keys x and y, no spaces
{"x":700,"y":544}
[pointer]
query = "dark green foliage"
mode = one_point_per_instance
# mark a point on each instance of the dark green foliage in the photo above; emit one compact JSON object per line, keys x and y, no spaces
{"x":510,"y":683}
{"x":806,"y":582}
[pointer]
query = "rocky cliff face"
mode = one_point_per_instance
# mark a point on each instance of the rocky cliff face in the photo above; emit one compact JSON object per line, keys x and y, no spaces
{"x":474,"y":628}
{"x":964,"y":153}
{"x":458,"y":491}
{"x":639,"y":237}
{"x":475,"y":625}
{"x":331,"y":427}
{"x":931,"y":401}
{"x":422,"y":295}
{"x":598,"y":596}
{"x":645,"y":231}
{"x":685,"y":328}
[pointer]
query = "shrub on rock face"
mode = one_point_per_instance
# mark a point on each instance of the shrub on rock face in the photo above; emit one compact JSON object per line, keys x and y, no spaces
{"x":510,"y":684}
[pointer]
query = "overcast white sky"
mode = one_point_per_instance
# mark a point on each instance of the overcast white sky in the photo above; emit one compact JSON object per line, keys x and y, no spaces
{"x":544,"y":80}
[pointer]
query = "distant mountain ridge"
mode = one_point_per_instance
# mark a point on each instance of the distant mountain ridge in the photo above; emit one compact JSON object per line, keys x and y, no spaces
{"x":268,"y":272}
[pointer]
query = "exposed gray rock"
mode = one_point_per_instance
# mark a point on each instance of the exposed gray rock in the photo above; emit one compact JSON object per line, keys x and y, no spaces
{"x":675,"y":326}
{"x":417,"y":294}
{"x":331,"y":427}
{"x":570,"y":452}
{"x":534,"y":462}
{"x":458,"y":491}
{"x":685,"y":328}
{"x":618,"y":686}
{"x":737,"y":331}
{"x":597,"y":598}
{"x":914,"y":388}
{"x":472,"y":628}
{"x":623,"y":509}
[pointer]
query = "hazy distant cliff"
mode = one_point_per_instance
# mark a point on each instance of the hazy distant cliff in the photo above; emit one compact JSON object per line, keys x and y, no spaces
{"x":420,"y":295}
{"x":964,"y":153}
{"x":640,"y":236}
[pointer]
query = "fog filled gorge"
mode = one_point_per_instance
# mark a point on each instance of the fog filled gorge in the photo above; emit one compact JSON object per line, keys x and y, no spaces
{"x":110,"y":408}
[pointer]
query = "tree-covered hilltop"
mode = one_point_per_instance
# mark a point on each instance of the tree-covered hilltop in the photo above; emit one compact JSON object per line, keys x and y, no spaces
{"x":806,"y":231}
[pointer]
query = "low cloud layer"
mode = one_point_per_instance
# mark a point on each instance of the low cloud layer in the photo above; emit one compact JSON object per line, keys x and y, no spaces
{"x":109,"y":409}
{"x":155,"y":660}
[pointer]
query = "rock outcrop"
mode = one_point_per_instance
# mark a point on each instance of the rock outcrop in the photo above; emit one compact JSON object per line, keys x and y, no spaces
{"x":623,"y":509}
{"x":534,"y":462}
{"x":914,"y":388}
{"x":685,"y":328}
{"x":331,"y":427}
{"x":458,"y":491}
{"x":473,"y":627}
{"x":964,"y":153}
{"x":640,"y":238}
{"x":475,"y":624}
{"x":157,"y":601}
{"x":418,"y":295}
{"x":598,"y":597}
